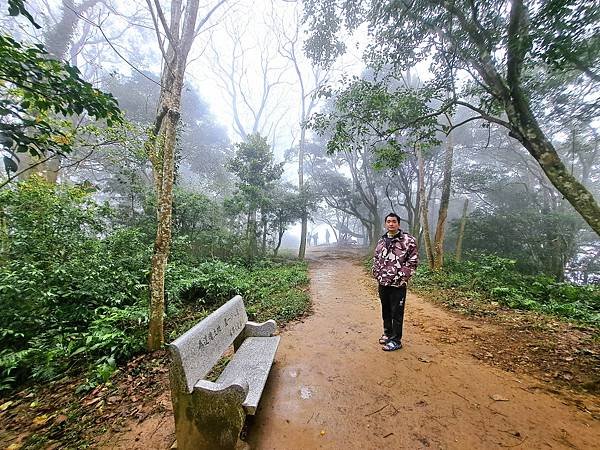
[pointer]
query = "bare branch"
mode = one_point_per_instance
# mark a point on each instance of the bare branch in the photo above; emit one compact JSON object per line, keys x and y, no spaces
{"x":484,"y":114}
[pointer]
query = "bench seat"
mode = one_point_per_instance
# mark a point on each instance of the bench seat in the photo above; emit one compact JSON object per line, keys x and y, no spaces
{"x":252,"y":363}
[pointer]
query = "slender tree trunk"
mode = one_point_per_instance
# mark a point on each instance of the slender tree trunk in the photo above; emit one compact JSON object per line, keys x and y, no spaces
{"x":179,"y":34}
{"x":440,"y":230}
{"x":251,"y":232}
{"x":280,"y":232}
{"x":264,"y":235}
{"x":162,"y":243}
{"x":416,"y":226}
{"x":461,"y":230}
{"x":303,"y":231}
{"x":304,"y":217}
{"x":424,"y":208}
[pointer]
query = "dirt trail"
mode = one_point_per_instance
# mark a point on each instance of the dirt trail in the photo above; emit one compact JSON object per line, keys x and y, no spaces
{"x":332,"y":387}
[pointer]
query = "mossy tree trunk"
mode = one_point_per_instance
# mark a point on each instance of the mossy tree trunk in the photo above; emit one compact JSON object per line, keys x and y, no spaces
{"x":424,"y":208}
{"x":178,"y":33}
{"x":440,"y":230}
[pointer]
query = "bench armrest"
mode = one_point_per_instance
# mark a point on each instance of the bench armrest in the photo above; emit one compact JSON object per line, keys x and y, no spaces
{"x":238,"y":388}
{"x":264,"y":329}
{"x":254,"y":329}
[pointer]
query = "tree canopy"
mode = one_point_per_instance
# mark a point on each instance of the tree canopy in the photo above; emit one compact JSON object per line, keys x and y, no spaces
{"x":498,"y":53}
{"x":38,"y":93}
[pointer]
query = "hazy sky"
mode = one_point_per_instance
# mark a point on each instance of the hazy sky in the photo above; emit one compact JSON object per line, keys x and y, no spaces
{"x":252,"y":26}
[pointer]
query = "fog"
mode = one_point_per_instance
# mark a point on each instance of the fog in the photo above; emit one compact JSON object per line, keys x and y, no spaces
{"x":282,"y":136}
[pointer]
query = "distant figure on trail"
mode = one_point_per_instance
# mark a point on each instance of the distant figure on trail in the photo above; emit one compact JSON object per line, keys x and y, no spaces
{"x":394,"y":262}
{"x":327,"y":236}
{"x":315,"y":239}
{"x":308,"y":238}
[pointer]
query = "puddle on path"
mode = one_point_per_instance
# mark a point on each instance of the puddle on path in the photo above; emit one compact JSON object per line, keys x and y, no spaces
{"x":305,"y":393}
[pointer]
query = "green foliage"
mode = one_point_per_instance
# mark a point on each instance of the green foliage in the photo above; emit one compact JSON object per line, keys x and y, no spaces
{"x":254,"y":166}
{"x":562,"y":34}
{"x":209,"y":283}
{"x":270,"y":289}
{"x":577,"y":45}
{"x":257,"y":173}
{"x":521,"y":64}
{"x":66,"y":280}
{"x":371,"y":114}
{"x":193,"y":212}
{"x":284,"y":206}
{"x":36,"y":91}
{"x":278,"y":291}
{"x":73,"y":289}
{"x":492,"y":278}
{"x":203,"y":146}
{"x":540,"y":240}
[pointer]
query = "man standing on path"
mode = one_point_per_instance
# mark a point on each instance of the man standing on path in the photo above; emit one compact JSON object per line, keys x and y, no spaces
{"x":394,"y":262}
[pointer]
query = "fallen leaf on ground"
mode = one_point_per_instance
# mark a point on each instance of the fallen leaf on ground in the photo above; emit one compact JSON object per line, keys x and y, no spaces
{"x":425,"y":359}
{"x":92,"y":401}
{"x":40,"y":420}
{"x":6,"y":405}
{"x":60,"y":419}
{"x":499,"y":398}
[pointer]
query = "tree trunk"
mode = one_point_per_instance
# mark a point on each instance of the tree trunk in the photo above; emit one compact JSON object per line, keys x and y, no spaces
{"x":304,"y":218}
{"x":440,"y":231}
{"x":416,"y":226}
{"x":179,"y":33}
{"x":424,"y":208}
{"x":281,"y":231}
{"x":544,"y":153}
{"x":303,"y":231}
{"x":525,"y":127}
{"x":251,"y":234}
{"x":461,"y":230}
{"x":263,"y":221}
{"x":163,"y":231}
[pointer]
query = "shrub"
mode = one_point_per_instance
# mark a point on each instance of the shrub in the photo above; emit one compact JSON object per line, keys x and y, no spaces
{"x":62,"y":269}
{"x":492,"y":278}
{"x":74,"y":289}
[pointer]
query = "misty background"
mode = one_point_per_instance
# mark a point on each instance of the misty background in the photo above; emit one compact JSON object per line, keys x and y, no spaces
{"x":159,"y":155}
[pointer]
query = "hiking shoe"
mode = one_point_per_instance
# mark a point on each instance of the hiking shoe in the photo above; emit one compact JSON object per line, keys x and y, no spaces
{"x":383,"y":339}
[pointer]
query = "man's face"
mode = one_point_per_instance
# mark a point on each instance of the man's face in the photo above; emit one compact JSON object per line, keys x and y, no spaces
{"x":392,"y":225}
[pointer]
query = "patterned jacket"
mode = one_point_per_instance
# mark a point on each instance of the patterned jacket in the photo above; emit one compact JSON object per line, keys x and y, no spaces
{"x":395,"y":259}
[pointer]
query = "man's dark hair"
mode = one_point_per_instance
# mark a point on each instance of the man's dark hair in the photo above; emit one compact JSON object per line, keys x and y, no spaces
{"x":392,"y":215}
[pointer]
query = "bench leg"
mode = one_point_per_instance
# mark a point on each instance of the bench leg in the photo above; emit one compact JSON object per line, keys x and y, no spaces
{"x":209,"y":420}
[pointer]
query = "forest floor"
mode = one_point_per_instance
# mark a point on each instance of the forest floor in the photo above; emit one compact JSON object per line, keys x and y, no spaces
{"x":499,"y":379}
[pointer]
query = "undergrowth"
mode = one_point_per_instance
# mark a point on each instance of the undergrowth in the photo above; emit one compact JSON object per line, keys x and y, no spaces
{"x":490,"y":278}
{"x":74,"y":287}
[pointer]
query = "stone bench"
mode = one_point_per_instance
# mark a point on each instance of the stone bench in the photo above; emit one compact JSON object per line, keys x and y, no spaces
{"x":211,"y":415}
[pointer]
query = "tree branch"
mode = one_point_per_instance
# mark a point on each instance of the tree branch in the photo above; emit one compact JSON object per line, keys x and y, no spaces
{"x":485,"y":115}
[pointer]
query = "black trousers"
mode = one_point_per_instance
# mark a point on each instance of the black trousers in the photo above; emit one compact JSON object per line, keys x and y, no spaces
{"x":392,"y":310}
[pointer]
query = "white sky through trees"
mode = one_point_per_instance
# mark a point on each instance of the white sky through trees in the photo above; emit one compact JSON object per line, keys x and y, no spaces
{"x":115,"y":38}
